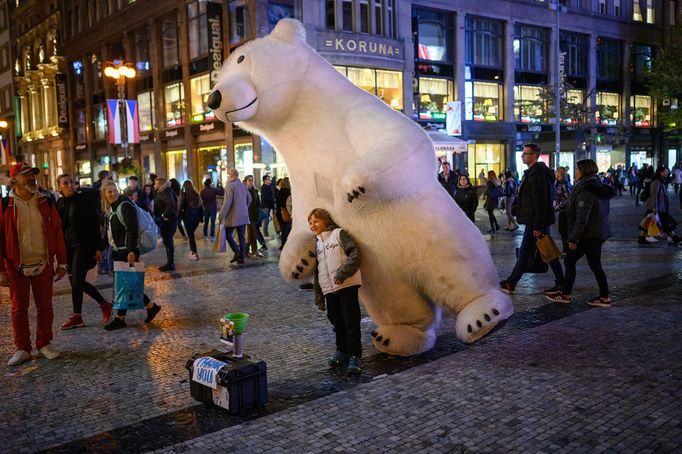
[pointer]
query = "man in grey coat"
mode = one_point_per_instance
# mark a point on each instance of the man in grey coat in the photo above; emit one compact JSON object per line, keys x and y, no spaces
{"x":235,"y":214}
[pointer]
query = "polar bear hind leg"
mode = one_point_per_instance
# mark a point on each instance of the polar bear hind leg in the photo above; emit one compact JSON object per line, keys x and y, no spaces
{"x":402,"y":340}
{"x":482,"y":314}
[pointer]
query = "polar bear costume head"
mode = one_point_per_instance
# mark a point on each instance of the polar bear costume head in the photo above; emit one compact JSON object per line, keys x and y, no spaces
{"x":254,"y":98}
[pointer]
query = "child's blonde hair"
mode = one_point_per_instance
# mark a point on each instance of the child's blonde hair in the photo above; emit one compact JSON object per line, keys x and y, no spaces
{"x":322,"y":214}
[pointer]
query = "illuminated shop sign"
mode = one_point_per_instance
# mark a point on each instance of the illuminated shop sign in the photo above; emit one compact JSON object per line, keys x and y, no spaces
{"x":358,"y":45}
{"x":215,"y":43}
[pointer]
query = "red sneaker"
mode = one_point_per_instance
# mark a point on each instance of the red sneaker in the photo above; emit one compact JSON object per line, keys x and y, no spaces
{"x":76,"y":321}
{"x":106,"y":309}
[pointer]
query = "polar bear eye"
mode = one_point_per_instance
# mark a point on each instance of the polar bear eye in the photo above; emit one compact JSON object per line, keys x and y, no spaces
{"x":240,"y":59}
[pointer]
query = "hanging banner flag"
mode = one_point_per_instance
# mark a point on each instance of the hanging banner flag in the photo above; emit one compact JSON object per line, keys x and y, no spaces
{"x":114,"y":117}
{"x":4,"y":150}
{"x":133,"y":129}
{"x":453,"y":118}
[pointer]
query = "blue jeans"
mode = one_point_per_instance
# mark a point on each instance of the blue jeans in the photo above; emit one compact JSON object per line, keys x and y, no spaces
{"x":210,"y":215}
{"x":106,"y":263}
{"x":525,"y":250}
{"x":240,"y":250}
{"x":266,"y":221}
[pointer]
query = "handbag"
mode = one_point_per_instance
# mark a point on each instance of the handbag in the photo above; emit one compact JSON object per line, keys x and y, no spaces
{"x":535,"y":264}
{"x":261,"y":217}
{"x":219,"y":245}
{"x":128,"y":286}
{"x":651,"y":225}
{"x":548,"y":248}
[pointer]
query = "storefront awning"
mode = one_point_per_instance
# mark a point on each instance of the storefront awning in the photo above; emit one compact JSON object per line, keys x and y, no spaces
{"x":443,"y":142}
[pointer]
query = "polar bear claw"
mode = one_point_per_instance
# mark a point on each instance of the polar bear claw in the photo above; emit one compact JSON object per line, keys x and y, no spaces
{"x":482,"y":315}
{"x":402,"y":340}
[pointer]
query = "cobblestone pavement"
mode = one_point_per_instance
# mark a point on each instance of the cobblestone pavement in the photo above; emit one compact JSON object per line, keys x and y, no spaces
{"x":570,"y":378}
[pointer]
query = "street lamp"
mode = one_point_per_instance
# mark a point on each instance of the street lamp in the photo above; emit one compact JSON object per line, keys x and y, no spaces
{"x":120,"y":71}
{"x":557,"y":5}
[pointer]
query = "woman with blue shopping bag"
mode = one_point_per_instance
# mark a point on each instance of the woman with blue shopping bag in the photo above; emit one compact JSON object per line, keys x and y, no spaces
{"x":122,"y":232}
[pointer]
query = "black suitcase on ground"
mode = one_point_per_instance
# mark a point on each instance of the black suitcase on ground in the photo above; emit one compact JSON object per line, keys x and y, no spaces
{"x":242,"y":384}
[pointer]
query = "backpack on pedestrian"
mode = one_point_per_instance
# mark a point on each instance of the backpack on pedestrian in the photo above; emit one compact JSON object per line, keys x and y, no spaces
{"x":147,"y":231}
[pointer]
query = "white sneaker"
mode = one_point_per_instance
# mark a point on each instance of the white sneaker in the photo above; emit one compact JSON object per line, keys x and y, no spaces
{"x":49,"y":352}
{"x":193,"y":256}
{"x":19,"y":357}
{"x":651,"y":239}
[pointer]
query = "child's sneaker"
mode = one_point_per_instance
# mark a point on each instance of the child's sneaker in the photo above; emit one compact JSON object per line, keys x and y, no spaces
{"x":354,"y":366}
{"x":600,"y":302}
{"x":338,"y":359}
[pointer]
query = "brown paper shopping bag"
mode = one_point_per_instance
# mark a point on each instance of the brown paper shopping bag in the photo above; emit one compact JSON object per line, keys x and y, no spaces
{"x":548,"y":248}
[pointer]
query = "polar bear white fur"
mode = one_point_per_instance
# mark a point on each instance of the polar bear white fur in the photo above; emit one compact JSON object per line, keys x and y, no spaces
{"x":375,"y":171}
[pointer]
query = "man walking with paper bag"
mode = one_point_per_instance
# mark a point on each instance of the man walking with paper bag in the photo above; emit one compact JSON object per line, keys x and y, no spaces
{"x":535,"y":211}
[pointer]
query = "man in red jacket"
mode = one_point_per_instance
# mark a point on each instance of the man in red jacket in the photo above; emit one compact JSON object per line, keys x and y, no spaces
{"x":30,"y":239}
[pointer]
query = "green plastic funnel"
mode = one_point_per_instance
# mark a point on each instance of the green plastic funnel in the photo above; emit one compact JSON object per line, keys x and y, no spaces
{"x":239,"y":319}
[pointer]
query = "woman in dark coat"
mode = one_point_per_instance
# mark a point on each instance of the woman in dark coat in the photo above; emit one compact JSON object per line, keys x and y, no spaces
{"x":254,"y":234}
{"x":81,"y":227}
{"x":587,"y":211}
{"x":176,"y":188}
{"x":123,"y":235}
{"x":191,"y":213}
{"x":466,"y":197}
{"x":280,"y":202}
{"x":493,"y":193}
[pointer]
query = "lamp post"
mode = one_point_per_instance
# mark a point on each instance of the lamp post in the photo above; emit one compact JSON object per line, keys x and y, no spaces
{"x":120,"y":71}
{"x":557,"y":6}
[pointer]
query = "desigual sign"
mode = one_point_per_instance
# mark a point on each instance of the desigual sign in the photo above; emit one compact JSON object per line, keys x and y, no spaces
{"x":215,"y":42}
{"x":359,"y":45}
{"x":62,"y":101}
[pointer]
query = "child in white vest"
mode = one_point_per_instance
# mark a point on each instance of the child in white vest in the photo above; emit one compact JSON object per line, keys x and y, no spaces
{"x":337,"y":280}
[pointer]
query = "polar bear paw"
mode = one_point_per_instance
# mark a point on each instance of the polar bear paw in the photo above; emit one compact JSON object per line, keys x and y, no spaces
{"x":355,"y":193}
{"x":298,"y":259}
{"x":479,"y":317}
{"x":402,"y":340}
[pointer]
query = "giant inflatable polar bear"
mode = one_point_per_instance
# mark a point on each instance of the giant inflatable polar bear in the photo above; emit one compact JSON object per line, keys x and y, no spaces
{"x":375,"y":171}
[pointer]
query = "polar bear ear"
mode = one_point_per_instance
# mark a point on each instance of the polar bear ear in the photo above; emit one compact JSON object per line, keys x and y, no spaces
{"x":289,"y":30}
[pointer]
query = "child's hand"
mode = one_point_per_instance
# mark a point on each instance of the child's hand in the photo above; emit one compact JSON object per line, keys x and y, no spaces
{"x":338,"y":281}
{"x":319,"y":302}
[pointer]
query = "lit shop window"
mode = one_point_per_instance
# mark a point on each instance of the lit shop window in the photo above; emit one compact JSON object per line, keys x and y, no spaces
{"x":176,"y":164}
{"x":483,"y":101}
{"x":434,"y":94}
{"x":145,"y":105}
{"x":386,"y":85}
{"x":576,"y":102}
{"x":200,"y":88}
{"x":239,"y":22}
{"x":607,"y":113}
{"x":484,"y":157}
{"x":640,"y":111}
{"x":80,"y":126}
{"x":529,"y":106}
{"x":175,"y":104}
{"x":100,"y":119}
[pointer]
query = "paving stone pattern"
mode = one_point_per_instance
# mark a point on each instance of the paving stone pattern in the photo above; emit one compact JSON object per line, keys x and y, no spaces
{"x":594,"y":378}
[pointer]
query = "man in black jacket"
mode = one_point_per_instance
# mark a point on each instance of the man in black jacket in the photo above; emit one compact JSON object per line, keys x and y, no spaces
{"x":448,"y":179}
{"x":267,"y":201}
{"x":166,"y":216}
{"x":535,"y":211}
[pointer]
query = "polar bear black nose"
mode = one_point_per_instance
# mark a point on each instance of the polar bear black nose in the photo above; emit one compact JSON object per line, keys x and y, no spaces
{"x":214,"y":99}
